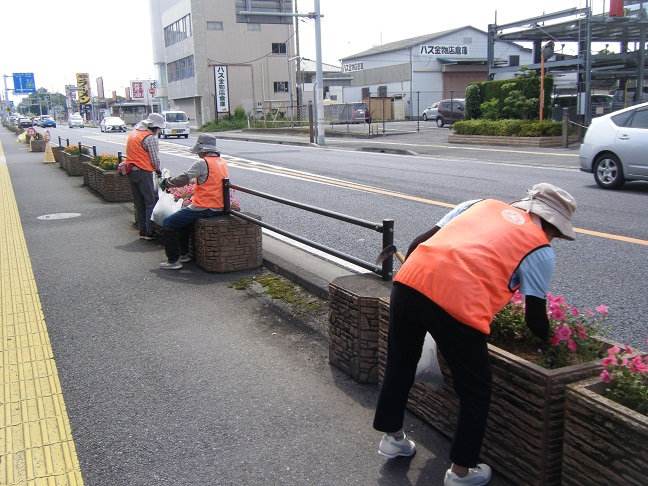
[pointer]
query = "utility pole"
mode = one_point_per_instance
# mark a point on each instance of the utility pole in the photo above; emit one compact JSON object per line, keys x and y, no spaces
{"x":319,"y":90}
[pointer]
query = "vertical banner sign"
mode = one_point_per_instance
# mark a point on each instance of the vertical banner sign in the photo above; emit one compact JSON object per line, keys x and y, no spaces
{"x":137,"y":90}
{"x":100,"y":88}
{"x":83,"y":82}
{"x":222,"y":91}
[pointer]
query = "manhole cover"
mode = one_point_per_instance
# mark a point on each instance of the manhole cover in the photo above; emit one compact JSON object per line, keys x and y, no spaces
{"x":59,"y":216}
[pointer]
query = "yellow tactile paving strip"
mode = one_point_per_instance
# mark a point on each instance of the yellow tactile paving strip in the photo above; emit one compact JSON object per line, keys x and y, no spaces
{"x":36,"y":446}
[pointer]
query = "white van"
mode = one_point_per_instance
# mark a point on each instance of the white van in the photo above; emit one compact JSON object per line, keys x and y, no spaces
{"x":177,"y":124}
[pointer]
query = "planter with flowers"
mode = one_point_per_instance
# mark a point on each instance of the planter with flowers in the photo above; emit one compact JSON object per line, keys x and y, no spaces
{"x":606,"y":423}
{"x":100,"y":173}
{"x":524,"y":433}
{"x":71,"y":159}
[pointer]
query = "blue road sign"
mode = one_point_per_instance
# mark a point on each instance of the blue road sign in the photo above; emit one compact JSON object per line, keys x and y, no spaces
{"x":24,"y":83}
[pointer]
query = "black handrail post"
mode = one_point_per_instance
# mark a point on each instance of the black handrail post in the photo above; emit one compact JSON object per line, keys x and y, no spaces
{"x":94,"y":150}
{"x":59,"y":139}
{"x":388,"y":239}
{"x":226,"y":196}
{"x":80,"y":148}
{"x":67,"y":142}
{"x":119,"y":157}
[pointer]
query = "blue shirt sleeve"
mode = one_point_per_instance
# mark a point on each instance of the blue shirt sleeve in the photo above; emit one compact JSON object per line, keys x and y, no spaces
{"x":535,"y":272}
{"x":456,"y":212}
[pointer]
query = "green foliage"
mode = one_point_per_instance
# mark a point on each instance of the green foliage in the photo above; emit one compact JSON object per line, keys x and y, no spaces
{"x":512,"y":98}
{"x":74,"y":150}
{"x":509,"y":128}
{"x":474,"y":100}
{"x":227,"y":122}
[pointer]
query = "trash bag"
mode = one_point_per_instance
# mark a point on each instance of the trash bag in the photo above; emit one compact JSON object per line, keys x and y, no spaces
{"x":165,"y":206}
{"x":428,"y":371}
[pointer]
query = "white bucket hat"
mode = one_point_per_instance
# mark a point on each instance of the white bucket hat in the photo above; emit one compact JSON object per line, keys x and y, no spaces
{"x":154,"y":120}
{"x":552,"y":204}
{"x":206,"y":143}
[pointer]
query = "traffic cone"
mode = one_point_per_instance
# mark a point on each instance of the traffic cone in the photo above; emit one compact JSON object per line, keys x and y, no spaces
{"x":49,"y":155}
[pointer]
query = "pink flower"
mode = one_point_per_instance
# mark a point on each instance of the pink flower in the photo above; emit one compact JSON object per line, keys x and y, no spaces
{"x":563,"y":332}
{"x":608,"y":361}
{"x":574,"y":311}
{"x":602,"y":309}
{"x":558,"y":313}
{"x":627,"y":349}
{"x":571,"y":344}
{"x":606,"y":377}
{"x":613,"y":351}
{"x":582,"y":333}
{"x":589,"y":312}
{"x":637,"y":366}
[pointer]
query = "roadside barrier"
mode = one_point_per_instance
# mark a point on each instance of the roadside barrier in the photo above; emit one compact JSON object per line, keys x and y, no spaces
{"x":386,"y":270}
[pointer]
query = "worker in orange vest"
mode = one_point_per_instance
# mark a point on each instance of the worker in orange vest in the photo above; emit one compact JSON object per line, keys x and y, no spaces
{"x":142,"y":159}
{"x":207,"y":201}
{"x":455,"y":278}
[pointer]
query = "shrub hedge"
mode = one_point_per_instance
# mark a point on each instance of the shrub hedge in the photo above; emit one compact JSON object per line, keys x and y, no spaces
{"x":508,"y":128}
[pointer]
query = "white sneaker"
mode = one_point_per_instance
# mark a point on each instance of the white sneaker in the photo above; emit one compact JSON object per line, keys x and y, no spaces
{"x":477,"y":476}
{"x":391,"y":448}
{"x":185,"y":258}
{"x":171,"y":265}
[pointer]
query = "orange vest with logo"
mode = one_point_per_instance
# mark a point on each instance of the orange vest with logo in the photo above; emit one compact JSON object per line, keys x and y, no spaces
{"x":209,"y":194}
{"x":466,"y":267}
{"x":135,"y":152}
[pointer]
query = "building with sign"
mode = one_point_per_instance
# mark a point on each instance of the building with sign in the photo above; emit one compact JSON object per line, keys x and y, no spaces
{"x":210,"y":59}
{"x":411,"y":74}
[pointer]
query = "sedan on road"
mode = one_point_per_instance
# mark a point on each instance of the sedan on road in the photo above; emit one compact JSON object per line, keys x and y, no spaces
{"x":49,"y":122}
{"x":75,"y":121}
{"x":112,"y":124}
{"x":614,"y":148}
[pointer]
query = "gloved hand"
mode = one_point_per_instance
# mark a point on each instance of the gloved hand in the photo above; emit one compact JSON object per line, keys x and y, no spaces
{"x":163,"y":184}
{"x":159,"y":173}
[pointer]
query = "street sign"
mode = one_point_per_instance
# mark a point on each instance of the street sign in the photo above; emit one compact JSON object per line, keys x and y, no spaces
{"x":31,"y":131}
{"x":152,"y":90}
{"x":48,"y":137}
{"x":24,"y":83}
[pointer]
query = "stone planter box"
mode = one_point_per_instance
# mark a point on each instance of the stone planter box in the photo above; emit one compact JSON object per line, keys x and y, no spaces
{"x":73,"y":164}
{"x":37,"y":145}
{"x":109,"y":183}
{"x":602,"y":439}
{"x":514,"y":141}
{"x":227,"y":244}
{"x":524,"y":434}
{"x":57,"y":151}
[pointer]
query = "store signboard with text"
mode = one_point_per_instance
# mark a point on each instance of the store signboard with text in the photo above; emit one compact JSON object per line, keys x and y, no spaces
{"x":222,"y":90}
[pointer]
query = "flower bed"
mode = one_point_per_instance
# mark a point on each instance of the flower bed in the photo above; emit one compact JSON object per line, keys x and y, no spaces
{"x":112,"y":186}
{"x":71,"y":160}
{"x":602,"y":438}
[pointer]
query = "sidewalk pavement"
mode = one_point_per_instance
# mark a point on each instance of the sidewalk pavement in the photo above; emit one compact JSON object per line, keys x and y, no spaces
{"x":118,"y":373}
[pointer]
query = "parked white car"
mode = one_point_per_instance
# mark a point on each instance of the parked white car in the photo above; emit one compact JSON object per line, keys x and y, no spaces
{"x":430,"y":113}
{"x":112,"y":124}
{"x":614,"y":148}
{"x":76,"y":121}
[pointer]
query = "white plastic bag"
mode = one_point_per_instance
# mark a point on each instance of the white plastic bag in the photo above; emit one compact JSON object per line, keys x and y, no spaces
{"x":428,"y":371}
{"x":165,"y":206}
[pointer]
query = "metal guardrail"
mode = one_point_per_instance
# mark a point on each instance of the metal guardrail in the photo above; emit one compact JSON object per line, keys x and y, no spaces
{"x":386,"y":270}
{"x":92,"y":148}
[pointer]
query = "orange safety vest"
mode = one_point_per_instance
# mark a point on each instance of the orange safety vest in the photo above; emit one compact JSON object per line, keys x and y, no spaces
{"x":135,"y":152}
{"x":467,"y":266}
{"x":209,"y":194}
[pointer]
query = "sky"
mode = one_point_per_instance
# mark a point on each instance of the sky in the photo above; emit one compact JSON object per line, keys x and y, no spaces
{"x":112,"y":39}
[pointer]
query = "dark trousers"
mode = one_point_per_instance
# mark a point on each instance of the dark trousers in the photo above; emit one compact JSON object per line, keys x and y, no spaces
{"x":177,"y":227}
{"x":141,"y":182}
{"x":464,"y":349}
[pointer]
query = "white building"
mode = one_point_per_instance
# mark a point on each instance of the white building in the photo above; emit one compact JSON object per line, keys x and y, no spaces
{"x":209,"y":61}
{"x":414,"y":73}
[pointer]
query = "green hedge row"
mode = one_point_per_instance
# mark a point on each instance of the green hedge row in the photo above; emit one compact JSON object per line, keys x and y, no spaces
{"x":508,"y":128}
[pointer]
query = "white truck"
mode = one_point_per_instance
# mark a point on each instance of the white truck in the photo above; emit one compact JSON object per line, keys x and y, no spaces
{"x":176,"y":124}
